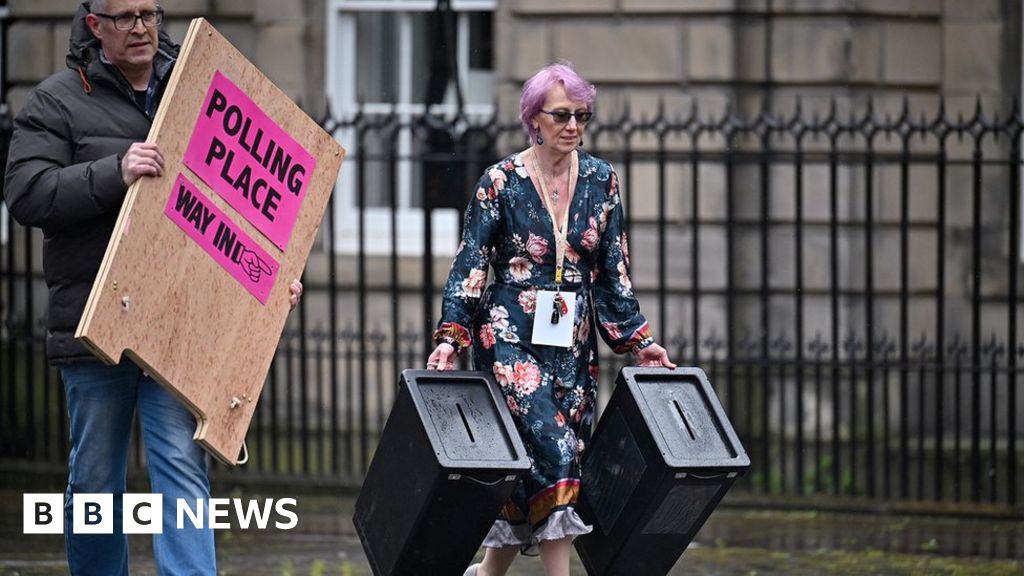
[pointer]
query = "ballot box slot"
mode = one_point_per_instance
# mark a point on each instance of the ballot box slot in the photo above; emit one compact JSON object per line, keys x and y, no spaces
{"x":686,"y":421}
{"x":465,"y":422}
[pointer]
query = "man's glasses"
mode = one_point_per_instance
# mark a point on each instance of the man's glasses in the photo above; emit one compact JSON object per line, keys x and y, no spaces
{"x":126,"y":21}
{"x":562,"y":116}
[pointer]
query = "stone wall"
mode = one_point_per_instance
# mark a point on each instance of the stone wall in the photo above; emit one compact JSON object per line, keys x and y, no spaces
{"x":284,"y":38}
{"x":646,"y":53}
{"x":761,"y":54}
{"x":642,"y":51}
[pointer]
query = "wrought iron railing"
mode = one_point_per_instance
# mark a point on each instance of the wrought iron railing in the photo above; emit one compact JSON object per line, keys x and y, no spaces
{"x":849,"y":281}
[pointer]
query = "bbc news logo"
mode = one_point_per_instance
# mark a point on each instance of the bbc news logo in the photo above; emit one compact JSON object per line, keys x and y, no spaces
{"x":143,"y":513}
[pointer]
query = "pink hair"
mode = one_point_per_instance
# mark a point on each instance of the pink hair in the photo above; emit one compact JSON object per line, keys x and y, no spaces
{"x":535,"y":91}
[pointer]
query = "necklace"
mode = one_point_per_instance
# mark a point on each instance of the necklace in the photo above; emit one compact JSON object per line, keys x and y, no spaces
{"x":546,"y":185}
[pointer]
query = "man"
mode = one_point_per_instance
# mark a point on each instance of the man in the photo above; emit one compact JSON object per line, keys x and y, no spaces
{"x":77,"y":147}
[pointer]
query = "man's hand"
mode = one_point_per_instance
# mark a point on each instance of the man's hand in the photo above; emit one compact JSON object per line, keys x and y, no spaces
{"x":141,"y":159}
{"x":295,"y":293}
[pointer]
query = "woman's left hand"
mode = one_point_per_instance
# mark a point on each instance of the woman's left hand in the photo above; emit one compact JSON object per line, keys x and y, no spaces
{"x":295,"y":288}
{"x":653,"y":356}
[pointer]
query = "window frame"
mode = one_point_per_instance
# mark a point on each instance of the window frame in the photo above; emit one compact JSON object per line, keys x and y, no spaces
{"x":340,"y":74}
{"x":5,"y":218}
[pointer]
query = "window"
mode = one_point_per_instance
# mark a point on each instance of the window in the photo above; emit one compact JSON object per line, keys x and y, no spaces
{"x":379,"y":63}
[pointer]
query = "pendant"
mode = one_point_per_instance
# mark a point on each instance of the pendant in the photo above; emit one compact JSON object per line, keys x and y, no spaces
{"x":558,"y":308}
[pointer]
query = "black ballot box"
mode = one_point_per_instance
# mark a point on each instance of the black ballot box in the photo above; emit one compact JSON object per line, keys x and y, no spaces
{"x":661,"y":458}
{"x":448,"y":459}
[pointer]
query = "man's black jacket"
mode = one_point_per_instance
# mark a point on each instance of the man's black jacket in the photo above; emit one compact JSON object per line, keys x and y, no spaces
{"x":64,"y":172}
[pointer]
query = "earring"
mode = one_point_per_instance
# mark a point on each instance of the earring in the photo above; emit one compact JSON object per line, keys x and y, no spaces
{"x":540,"y":140}
{"x":581,"y":142}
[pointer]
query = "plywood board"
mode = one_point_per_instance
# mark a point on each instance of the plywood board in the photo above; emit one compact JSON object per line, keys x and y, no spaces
{"x":194,"y":284}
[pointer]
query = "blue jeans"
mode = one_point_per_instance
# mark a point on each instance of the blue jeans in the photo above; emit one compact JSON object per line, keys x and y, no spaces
{"x":102,"y":401}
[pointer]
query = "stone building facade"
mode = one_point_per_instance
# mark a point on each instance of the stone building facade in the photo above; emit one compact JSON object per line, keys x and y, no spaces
{"x":644,"y":55}
{"x":639,"y":51}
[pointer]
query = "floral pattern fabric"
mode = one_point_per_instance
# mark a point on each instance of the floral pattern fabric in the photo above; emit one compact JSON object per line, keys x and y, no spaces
{"x":550,"y":390}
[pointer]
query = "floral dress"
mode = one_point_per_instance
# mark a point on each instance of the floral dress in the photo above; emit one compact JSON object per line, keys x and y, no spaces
{"x":550,"y":390}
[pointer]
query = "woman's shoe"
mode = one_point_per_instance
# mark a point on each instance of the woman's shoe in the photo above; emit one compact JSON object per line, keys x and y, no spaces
{"x":471,"y":571}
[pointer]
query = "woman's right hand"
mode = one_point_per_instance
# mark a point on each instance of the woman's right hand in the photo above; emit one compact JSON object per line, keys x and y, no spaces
{"x":442,"y":358}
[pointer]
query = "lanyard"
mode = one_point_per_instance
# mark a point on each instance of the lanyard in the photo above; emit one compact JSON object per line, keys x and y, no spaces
{"x":560,"y":229}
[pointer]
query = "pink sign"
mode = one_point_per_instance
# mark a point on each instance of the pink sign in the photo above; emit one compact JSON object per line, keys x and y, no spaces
{"x":222,"y":239}
{"x":249,"y":160}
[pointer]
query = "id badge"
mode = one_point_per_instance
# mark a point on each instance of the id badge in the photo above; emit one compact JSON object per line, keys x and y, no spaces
{"x":553,"y":326}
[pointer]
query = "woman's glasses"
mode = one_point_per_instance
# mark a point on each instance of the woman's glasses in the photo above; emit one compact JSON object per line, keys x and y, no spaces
{"x":562,"y":116}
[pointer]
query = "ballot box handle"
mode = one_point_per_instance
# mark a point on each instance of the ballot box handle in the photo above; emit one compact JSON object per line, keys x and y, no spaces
{"x":508,"y":478}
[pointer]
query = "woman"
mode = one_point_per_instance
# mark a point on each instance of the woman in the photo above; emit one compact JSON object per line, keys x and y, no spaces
{"x":549,"y":221}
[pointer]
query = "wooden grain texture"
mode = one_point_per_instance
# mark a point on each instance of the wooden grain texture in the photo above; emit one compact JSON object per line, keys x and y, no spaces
{"x":160,"y":299}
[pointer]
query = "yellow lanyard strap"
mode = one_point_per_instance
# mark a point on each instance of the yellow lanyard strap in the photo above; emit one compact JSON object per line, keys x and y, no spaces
{"x":560,"y":232}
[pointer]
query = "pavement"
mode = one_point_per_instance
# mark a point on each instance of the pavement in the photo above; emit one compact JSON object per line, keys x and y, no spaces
{"x":740,"y":538}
